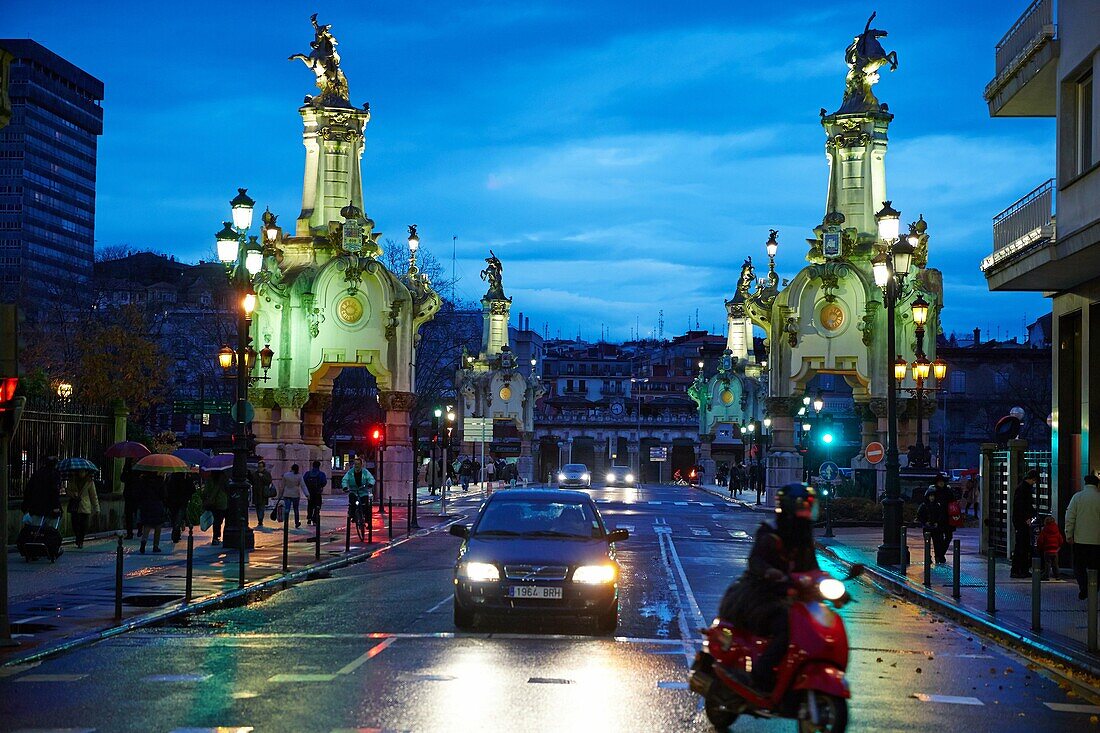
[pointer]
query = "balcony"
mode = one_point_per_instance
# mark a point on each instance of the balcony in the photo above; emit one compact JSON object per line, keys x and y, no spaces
{"x":1026,"y":83}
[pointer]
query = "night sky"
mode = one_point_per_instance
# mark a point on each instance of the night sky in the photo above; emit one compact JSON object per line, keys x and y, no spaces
{"x":619,"y":157}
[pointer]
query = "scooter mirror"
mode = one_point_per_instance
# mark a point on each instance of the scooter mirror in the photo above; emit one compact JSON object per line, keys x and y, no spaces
{"x":855,"y":571}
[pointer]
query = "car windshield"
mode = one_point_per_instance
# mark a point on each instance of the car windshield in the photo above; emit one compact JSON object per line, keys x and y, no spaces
{"x":531,"y":518}
{"x":575,"y":467}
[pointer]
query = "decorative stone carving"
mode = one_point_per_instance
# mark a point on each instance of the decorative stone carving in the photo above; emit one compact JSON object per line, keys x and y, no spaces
{"x":400,"y":401}
{"x":293,"y":397}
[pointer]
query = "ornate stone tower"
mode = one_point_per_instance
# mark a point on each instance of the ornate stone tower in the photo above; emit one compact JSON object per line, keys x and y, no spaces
{"x":491,"y":386}
{"x":830,"y":319}
{"x":325,"y":301}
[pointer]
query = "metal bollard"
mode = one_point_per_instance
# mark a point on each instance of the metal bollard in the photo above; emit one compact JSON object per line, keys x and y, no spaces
{"x":1036,"y":593}
{"x":317,"y":526}
{"x":190,"y":564}
{"x":242,"y":547}
{"x":828,"y":516}
{"x":927,"y":560}
{"x":990,"y":582}
{"x":903,"y":549}
{"x":443,"y":502}
{"x":118,"y":580}
{"x":1093,"y":610}
{"x":370,"y":519}
{"x":347,"y":536}
{"x":391,"y":518}
{"x":286,"y":540}
{"x":408,"y":515}
{"x":956,"y":570}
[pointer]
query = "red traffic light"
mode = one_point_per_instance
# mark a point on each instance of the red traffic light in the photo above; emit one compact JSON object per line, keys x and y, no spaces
{"x":7,"y":391}
{"x":377,"y":434}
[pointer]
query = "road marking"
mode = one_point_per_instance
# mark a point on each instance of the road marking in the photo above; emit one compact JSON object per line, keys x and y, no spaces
{"x":628,"y":527}
{"x":52,"y":678}
{"x":17,"y":668}
{"x":295,"y":677}
{"x":1062,"y":707}
{"x":680,"y":503}
{"x":440,"y":605}
{"x":672,"y":685}
{"x":947,"y":699}
{"x":548,"y":681}
{"x":29,"y":620}
{"x":739,"y":534}
{"x":687,"y":632}
{"x":371,"y":653}
{"x":699,"y":531}
{"x":655,"y":503}
{"x":177,"y":678}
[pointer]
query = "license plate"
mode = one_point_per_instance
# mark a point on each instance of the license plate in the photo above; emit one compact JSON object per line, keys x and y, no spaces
{"x":534,"y":591}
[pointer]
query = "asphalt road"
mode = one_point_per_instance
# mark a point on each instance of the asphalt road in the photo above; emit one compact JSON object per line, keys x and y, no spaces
{"x":372,"y":648}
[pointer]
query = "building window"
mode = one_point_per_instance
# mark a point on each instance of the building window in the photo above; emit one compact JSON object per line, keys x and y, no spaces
{"x":1083,"y":123}
{"x":958,"y":381}
{"x":569,"y":385}
{"x":584,"y":385}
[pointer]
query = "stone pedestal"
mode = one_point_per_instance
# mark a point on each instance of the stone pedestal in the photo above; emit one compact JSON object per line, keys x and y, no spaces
{"x":397,"y":481}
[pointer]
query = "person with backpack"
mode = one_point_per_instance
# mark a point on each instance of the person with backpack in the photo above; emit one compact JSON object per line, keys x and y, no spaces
{"x":315,"y":481}
{"x":932,"y":515}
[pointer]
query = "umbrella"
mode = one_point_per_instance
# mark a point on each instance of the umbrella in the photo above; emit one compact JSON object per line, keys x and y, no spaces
{"x":162,"y":463}
{"x":71,"y":465}
{"x":127,"y":449}
{"x":194,"y":456}
{"x":220,"y":462}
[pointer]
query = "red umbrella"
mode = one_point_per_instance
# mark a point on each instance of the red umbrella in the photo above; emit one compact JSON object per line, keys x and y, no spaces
{"x":127,"y":449}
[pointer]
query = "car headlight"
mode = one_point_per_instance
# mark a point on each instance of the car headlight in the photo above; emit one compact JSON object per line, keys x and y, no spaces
{"x":585,"y":477}
{"x":630,"y":478}
{"x":594,"y":574}
{"x":561,"y":477}
{"x":610,"y":477}
{"x":831,"y":589}
{"x":481,"y":571}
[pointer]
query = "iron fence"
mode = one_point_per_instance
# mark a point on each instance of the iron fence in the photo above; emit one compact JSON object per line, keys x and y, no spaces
{"x":56,"y":427}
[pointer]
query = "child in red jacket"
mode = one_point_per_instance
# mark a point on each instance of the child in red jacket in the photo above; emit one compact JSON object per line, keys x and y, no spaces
{"x":1049,"y":543}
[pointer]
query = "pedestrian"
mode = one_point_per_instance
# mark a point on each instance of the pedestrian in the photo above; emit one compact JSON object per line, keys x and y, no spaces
{"x":83,"y":503}
{"x":315,"y":481}
{"x":150,"y":500}
{"x":1023,"y":514}
{"x":42,"y":493}
{"x":1049,"y":543}
{"x":215,"y":499}
{"x":968,"y":496}
{"x":932,"y":515}
{"x":490,"y":471}
{"x":129,"y":479}
{"x":262,"y":490}
{"x":290,"y":493}
{"x":1083,"y":531}
{"x":952,"y":511}
{"x":177,"y":495}
{"x":464,"y":473}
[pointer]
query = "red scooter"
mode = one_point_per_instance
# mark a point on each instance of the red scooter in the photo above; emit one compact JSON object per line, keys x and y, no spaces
{"x":810,"y":686}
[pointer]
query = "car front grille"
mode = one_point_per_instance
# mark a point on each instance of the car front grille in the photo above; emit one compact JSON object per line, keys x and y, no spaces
{"x":536,"y":572}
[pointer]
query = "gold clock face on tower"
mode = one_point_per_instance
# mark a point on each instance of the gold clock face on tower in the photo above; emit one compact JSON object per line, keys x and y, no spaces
{"x":726,"y":397}
{"x":832,"y":317}
{"x":350,"y":310}
{"x":505,"y":393}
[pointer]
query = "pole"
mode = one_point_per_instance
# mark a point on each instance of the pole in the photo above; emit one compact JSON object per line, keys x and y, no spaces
{"x":239,"y":486}
{"x":905,"y":544}
{"x":888,"y":552}
{"x":1036,"y":594}
{"x":1092,"y":610}
{"x":118,"y":580}
{"x":202,"y":403}
{"x":317,"y":537}
{"x":828,"y":512}
{"x":927,"y":560}
{"x":5,"y":622}
{"x":990,"y":582}
{"x":286,"y":539}
{"x":391,"y":518}
{"x":189,"y":582}
{"x":956,"y":570}
{"x":370,"y":521}
{"x":347,"y":535}
{"x":920,"y":462}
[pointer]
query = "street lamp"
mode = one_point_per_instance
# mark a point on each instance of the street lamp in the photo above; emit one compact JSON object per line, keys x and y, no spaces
{"x":414,"y":246}
{"x":64,"y":390}
{"x":819,"y":401}
{"x":243,"y":258}
{"x":634,"y":381}
{"x":890,"y":269}
{"x":920,"y":456}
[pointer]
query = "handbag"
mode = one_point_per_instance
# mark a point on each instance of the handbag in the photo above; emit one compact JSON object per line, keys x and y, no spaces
{"x":270,"y":492}
{"x":275,"y":513}
{"x":206,"y":519}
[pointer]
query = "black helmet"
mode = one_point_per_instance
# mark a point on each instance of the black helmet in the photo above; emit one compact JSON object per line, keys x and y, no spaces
{"x":797,"y":500}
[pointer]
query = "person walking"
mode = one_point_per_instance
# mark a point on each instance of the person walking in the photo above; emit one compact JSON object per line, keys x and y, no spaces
{"x":1023,"y":514}
{"x":261,"y":490}
{"x":129,"y":479}
{"x":150,"y":501}
{"x":178,"y":490}
{"x":315,"y":481}
{"x":83,"y":503}
{"x":932,"y":515}
{"x":969,"y":496}
{"x":945,"y":496}
{"x":215,"y":498}
{"x":1083,"y":531}
{"x":464,"y":471}
{"x":290,"y":493}
{"x":42,"y":494}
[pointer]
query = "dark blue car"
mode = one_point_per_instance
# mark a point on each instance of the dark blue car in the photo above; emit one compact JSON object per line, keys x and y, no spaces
{"x":537,"y":553}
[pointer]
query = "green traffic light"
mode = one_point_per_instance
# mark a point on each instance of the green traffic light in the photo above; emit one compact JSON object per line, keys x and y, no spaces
{"x":827,"y":438}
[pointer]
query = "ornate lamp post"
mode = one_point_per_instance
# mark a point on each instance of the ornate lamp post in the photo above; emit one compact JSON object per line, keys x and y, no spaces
{"x":634,"y":386}
{"x":921,"y":455}
{"x":891,"y":267}
{"x":243,"y":259}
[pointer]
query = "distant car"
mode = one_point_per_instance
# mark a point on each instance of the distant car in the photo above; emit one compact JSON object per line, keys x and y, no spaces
{"x":574,"y":475}
{"x":620,"y":476}
{"x":537,"y":553}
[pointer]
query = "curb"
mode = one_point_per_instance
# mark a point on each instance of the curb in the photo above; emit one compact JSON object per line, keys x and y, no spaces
{"x":1060,"y":662}
{"x":736,"y":502}
{"x":216,"y":601}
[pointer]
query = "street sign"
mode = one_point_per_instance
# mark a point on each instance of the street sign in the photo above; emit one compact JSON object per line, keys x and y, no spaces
{"x":201,"y":407}
{"x":658,"y":454}
{"x":477,"y":429}
{"x":249,"y":412}
{"x":829,"y":471}
{"x":874,"y":452}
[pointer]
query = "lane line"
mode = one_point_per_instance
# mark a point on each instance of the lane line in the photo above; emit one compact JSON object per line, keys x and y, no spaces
{"x":176,"y":678}
{"x":1062,"y":707}
{"x":950,"y":699}
{"x":28,"y":620}
{"x":52,"y":678}
{"x":698,"y":615}
{"x":371,"y":653}
{"x":305,"y":677}
{"x":439,"y":605}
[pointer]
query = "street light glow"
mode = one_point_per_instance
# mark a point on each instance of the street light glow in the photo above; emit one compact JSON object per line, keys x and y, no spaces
{"x":242,"y":209}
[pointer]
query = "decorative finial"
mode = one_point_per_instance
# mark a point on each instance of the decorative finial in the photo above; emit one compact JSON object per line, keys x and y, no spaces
{"x":324,"y":62}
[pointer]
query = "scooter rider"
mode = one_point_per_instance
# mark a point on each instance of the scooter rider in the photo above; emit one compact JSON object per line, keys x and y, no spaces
{"x":758,"y":601}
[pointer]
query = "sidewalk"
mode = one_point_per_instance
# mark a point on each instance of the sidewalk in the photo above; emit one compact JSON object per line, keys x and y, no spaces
{"x":1063,"y":617}
{"x":50,"y":603}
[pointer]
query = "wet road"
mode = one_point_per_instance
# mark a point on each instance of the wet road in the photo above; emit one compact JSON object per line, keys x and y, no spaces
{"x":373,"y":648}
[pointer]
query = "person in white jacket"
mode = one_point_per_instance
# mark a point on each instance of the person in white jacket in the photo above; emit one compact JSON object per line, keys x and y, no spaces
{"x":290,"y":493}
{"x":1083,"y":531}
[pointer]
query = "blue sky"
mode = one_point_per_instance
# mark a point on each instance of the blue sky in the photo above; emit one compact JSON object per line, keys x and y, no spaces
{"x":620,"y":157}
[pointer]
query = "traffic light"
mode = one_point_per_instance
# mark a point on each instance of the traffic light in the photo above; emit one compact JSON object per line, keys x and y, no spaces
{"x":10,"y":342}
{"x":377,"y":435}
{"x":827,"y":432}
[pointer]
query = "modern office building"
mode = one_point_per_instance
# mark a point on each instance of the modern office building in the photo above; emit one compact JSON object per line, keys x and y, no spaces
{"x":1049,"y":240}
{"x":47,"y":180}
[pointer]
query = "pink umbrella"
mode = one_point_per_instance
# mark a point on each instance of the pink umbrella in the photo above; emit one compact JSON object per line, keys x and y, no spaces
{"x":127,"y":449}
